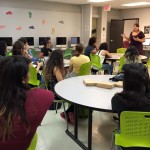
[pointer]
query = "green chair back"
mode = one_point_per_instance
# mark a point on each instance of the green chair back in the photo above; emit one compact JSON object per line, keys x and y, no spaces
{"x":68,"y":53}
{"x":9,"y":53}
{"x":121,"y":50}
{"x":122,"y":62}
{"x":33,"y":77}
{"x":148,"y":63}
{"x":33,"y":142}
{"x":34,"y":53}
{"x":134,"y":129}
{"x":85,"y":69}
{"x":96,"y":62}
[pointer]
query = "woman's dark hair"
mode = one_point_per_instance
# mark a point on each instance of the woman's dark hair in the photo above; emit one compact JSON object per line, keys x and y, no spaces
{"x":18,"y":47}
{"x":92,"y":40}
{"x":3,"y":47}
{"x":132,"y":54}
{"x":103,"y":46}
{"x":13,"y":93}
{"x":136,"y":84}
{"x":137,"y":25}
{"x":55,"y":60}
{"x":22,"y":39}
{"x":79,"y":49}
{"x":46,"y":41}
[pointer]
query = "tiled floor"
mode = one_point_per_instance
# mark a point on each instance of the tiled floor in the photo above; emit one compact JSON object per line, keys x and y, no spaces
{"x":52,"y":136}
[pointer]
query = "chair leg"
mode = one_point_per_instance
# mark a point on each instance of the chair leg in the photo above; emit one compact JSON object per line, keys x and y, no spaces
{"x":56,"y":107}
{"x":112,"y":141}
{"x":65,"y":114}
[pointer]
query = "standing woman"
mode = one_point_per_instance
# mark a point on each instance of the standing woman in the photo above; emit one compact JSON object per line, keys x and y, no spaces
{"x":21,"y":108}
{"x":136,"y":38}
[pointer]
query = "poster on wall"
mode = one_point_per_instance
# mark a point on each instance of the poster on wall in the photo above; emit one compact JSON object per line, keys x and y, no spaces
{"x":146,"y":29}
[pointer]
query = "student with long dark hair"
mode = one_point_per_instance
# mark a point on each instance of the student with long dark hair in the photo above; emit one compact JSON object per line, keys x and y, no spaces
{"x":132,"y":55}
{"x":54,"y":71}
{"x":103,"y":52}
{"x":21,"y":109}
{"x":136,"y":92}
{"x":3,"y":49}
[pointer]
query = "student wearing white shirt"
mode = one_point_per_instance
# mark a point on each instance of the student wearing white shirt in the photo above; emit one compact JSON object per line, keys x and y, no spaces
{"x":103,"y":52}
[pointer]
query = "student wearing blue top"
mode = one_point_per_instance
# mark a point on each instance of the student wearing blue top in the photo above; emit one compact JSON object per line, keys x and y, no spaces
{"x":92,"y":47}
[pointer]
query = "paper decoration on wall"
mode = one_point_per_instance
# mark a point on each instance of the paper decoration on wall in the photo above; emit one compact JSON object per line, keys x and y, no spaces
{"x":53,"y":31}
{"x":146,"y":29}
{"x":61,"y":21}
{"x":2,"y":26}
{"x":9,"y":13}
{"x":30,"y":14}
{"x":43,"y":21}
{"x":31,"y":27}
{"x":19,"y":28}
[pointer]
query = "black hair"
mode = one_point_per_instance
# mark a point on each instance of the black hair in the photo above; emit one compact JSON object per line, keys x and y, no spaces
{"x":46,"y":41}
{"x":79,"y":49}
{"x":13,"y":93}
{"x":18,"y":47}
{"x":132,"y":54}
{"x":92,"y":40}
{"x":103,"y":46}
{"x":24,"y":40}
{"x":3,"y":47}
{"x":137,"y":25}
{"x":136,"y":84}
{"x":55,"y":60}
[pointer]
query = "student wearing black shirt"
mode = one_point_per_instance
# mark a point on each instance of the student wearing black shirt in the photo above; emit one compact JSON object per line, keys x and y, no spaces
{"x":46,"y":49}
{"x":136,"y":92}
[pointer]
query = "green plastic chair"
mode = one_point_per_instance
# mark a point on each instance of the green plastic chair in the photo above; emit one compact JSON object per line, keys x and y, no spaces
{"x":148,"y":63}
{"x":134,"y":129}
{"x":121,"y":50}
{"x":33,"y":77}
{"x":121,"y":63}
{"x":85,"y":69}
{"x":9,"y":53}
{"x":95,"y":59}
{"x":68,"y":53}
{"x":33,"y":142}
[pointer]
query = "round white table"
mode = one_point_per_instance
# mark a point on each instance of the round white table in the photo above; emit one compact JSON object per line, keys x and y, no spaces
{"x":94,"y":98}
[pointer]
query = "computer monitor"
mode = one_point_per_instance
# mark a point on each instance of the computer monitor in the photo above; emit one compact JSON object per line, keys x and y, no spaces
{"x":30,"y":41}
{"x":8,"y":40}
{"x":147,"y":42}
{"x":75,"y":41}
{"x":41,"y":41}
{"x":61,"y":42}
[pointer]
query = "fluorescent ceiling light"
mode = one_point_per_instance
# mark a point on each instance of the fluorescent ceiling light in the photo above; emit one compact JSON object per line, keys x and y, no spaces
{"x":98,"y":1}
{"x":136,"y":4}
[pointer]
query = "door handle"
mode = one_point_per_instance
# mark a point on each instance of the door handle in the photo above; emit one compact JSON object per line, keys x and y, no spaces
{"x":111,"y":40}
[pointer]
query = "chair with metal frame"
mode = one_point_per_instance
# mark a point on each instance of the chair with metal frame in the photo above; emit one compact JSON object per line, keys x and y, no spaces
{"x":68,"y":53}
{"x":121,"y":50}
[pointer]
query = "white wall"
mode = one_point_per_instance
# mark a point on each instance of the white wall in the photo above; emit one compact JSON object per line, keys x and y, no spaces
{"x":141,"y":13}
{"x":69,"y":14}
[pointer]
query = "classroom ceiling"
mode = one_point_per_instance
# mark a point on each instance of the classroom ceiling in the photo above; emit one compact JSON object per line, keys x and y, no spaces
{"x":113,"y":3}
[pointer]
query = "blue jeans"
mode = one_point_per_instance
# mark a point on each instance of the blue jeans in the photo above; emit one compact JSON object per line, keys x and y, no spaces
{"x":108,"y":68}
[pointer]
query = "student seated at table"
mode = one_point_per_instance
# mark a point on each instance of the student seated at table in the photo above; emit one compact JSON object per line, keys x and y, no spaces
{"x":54,"y":72}
{"x":103,"y":52}
{"x":3,"y":49}
{"x":132,"y":55}
{"x":76,"y":61}
{"x":21,"y":108}
{"x":26,"y":47}
{"x":136,"y":91}
{"x":19,"y":49}
{"x":92,"y":47}
{"x":46,"y":49}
